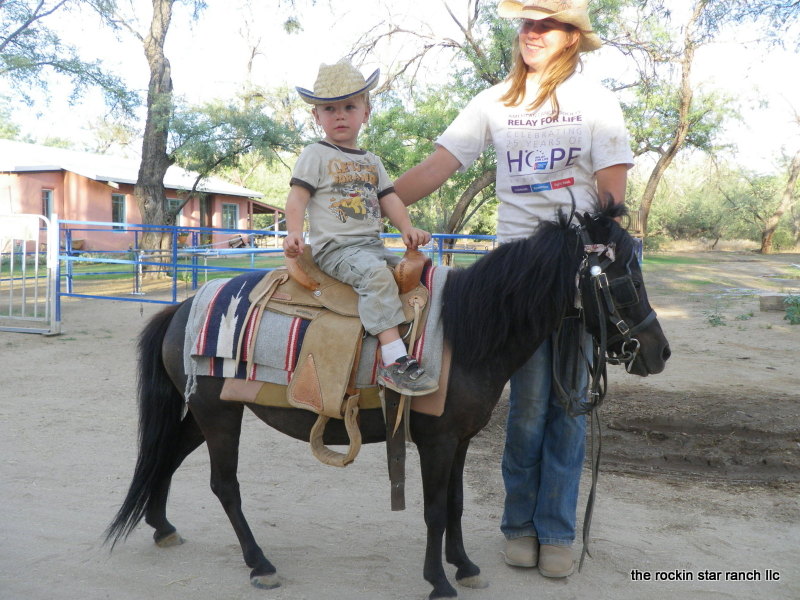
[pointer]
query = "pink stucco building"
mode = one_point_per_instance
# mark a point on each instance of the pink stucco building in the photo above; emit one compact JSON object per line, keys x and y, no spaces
{"x":80,"y":186}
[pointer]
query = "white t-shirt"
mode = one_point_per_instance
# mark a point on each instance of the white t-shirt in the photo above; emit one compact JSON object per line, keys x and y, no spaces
{"x":346,"y":186}
{"x":538,"y":155}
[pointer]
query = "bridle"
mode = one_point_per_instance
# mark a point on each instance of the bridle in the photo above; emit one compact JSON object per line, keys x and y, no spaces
{"x":609,"y":297}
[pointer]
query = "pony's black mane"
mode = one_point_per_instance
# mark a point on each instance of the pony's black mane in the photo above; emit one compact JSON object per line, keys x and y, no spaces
{"x":520,"y":291}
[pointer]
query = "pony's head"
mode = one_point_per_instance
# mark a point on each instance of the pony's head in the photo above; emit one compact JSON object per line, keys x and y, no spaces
{"x":613,"y":297}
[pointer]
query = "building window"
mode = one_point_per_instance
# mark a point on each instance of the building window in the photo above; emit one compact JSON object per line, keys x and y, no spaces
{"x":47,"y":203}
{"x":118,"y":209}
{"x":172,"y":206}
{"x":230,"y":216}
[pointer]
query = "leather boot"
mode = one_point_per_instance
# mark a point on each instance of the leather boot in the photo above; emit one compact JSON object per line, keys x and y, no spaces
{"x":522,"y":551}
{"x":556,"y":561}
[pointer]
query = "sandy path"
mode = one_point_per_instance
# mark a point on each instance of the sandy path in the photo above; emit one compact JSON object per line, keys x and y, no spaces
{"x":67,"y":441}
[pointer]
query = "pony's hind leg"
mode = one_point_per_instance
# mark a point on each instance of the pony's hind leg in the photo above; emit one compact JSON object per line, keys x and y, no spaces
{"x":222,"y":423}
{"x":189,"y":438}
{"x":468,"y":574}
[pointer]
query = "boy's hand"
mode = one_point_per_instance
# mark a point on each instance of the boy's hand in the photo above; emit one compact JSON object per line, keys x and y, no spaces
{"x":293,"y":245}
{"x":415,"y":237}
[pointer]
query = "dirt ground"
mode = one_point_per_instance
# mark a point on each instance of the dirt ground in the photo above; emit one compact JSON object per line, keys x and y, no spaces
{"x":700,"y":476}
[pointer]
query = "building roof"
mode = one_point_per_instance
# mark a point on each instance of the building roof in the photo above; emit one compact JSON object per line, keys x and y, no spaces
{"x":18,"y":157}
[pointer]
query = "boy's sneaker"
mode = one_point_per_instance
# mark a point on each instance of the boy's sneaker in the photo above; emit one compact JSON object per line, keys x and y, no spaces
{"x":406,"y":376}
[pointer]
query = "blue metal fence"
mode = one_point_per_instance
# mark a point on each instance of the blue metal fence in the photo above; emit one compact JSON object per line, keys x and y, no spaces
{"x":187,"y":257}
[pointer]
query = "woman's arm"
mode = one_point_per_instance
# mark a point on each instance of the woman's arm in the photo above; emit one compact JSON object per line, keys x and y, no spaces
{"x":427,"y":177}
{"x":612,"y":182}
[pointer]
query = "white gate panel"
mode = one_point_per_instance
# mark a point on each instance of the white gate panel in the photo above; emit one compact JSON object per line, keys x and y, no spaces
{"x":28,"y":271}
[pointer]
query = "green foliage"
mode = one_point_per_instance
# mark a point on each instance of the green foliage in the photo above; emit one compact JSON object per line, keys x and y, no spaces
{"x":488,"y":54}
{"x":403,"y":138}
{"x":704,"y":200}
{"x":220,"y":135}
{"x":112,"y":136}
{"x":652,"y":115}
{"x":9,"y":130}
{"x":715,"y":318}
{"x":292,"y":25}
{"x":792,"y":309}
{"x":750,"y":200}
{"x":31,"y":50}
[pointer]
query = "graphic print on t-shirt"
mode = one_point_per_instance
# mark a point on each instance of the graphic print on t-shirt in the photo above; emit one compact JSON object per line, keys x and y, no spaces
{"x":541,"y":150}
{"x":354,"y":190}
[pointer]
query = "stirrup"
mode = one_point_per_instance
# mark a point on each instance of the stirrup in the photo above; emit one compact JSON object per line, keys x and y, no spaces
{"x":325,"y":454}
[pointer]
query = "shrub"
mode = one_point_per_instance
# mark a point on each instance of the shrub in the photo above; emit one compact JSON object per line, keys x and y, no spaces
{"x":792,"y":309}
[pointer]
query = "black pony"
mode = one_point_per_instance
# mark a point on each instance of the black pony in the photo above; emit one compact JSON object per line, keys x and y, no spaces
{"x":496,"y":313}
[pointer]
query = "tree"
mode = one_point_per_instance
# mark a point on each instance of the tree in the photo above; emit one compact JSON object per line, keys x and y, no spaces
{"x":755,"y":198}
{"x":204,"y":139}
{"x":30,"y":51}
{"x":788,"y":198}
{"x":113,"y":135}
{"x":666,"y":105}
{"x":9,"y":130}
{"x":220,"y":135}
{"x":149,"y":188}
{"x":790,"y":201}
{"x":690,"y":205}
{"x":405,"y":136}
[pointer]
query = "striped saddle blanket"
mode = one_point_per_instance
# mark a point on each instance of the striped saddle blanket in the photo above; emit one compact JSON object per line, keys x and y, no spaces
{"x":221,"y":328}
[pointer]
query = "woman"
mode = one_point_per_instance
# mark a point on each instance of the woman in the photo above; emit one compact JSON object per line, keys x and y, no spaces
{"x":551,"y":128}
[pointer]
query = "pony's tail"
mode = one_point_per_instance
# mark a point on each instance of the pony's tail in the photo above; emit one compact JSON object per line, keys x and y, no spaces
{"x":160,"y":412}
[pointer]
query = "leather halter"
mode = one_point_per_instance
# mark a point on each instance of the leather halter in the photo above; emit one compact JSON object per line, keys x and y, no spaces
{"x":608,"y":311}
{"x":596,"y":258}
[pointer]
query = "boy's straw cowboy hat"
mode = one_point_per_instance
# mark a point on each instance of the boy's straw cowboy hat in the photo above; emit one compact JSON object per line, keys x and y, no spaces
{"x":572,"y":12}
{"x":337,"y":82}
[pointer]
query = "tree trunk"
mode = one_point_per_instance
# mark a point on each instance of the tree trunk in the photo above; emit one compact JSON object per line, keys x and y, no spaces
{"x":149,"y":189}
{"x":457,"y":218}
{"x":786,"y":201}
{"x":666,"y":157}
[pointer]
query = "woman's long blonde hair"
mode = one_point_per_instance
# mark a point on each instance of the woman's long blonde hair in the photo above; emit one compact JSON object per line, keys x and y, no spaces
{"x":556,"y":73}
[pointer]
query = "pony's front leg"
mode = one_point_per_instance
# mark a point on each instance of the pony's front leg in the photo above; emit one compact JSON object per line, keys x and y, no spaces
{"x":468,"y":574}
{"x":223,"y":448}
{"x":436,"y":462}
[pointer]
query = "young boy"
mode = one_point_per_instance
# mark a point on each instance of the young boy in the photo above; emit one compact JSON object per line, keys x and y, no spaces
{"x":346,"y":191}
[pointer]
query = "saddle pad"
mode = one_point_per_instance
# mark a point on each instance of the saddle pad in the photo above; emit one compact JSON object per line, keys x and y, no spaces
{"x":226,"y":303}
{"x":279,"y":337}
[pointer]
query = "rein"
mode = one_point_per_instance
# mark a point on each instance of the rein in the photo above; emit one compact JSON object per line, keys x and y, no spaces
{"x":609,"y":297}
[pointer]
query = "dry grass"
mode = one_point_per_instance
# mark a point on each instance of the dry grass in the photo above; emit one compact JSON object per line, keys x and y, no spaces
{"x":704,"y":245}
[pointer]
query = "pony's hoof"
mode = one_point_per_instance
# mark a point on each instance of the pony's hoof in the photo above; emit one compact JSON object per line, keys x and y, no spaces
{"x":476,"y":582}
{"x":447,"y":591}
{"x":169,"y":540}
{"x":265,"y":582}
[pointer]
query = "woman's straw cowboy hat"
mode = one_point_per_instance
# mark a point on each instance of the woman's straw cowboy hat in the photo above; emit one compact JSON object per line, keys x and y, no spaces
{"x":572,"y":12}
{"x":337,"y":82}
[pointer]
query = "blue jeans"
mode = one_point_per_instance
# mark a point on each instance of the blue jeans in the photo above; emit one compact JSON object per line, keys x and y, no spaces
{"x":543,"y":455}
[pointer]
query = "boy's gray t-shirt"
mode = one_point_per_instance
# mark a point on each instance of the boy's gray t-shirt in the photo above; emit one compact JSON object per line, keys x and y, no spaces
{"x":345,"y":186}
